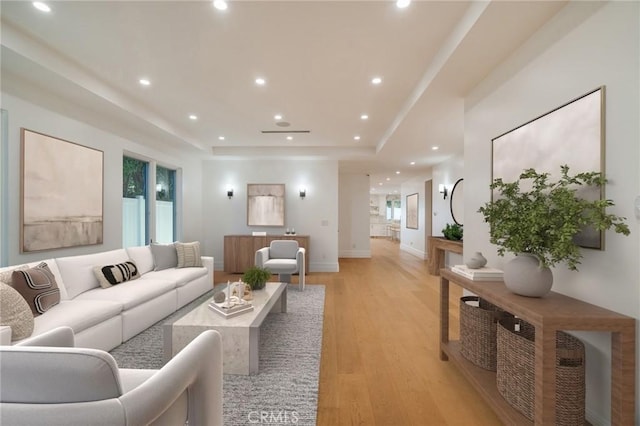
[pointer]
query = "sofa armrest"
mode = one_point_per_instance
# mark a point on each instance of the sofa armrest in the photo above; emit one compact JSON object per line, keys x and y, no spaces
{"x":5,"y":335}
{"x":58,"y":337}
{"x":207,"y":262}
{"x":262,"y":256}
{"x":198,"y":368}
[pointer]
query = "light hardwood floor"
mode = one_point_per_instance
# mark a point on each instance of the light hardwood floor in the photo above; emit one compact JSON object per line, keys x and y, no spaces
{"x":380,"y":361}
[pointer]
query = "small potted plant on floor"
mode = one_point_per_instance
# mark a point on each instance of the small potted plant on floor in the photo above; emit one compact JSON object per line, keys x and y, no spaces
{"x":256,"y":277}
{"x":540,"y":224}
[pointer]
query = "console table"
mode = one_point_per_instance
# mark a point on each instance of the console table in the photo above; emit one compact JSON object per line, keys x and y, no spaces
{"x":240,"y":250}
{"x":548,"y":315}
{"x":436,"y":248}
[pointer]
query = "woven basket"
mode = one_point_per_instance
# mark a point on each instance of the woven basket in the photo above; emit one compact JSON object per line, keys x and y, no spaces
{"x":516,"y":367}
{"x":478,"y":331}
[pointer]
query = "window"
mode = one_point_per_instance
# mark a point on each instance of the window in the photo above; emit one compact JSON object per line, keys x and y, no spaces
{"x":394,"y":209}
{"x":165,"y":205}
{"x":135,"y":229}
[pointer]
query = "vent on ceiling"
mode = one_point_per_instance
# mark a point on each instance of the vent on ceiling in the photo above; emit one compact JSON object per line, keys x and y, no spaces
{"x":286,"y":131}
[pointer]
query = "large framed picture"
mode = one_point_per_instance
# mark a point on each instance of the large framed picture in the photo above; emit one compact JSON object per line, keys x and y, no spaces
{"x":61,"y":193}
{"x":572,"y":134}
{"x":265,"y":204}
{"x":412,"y":211}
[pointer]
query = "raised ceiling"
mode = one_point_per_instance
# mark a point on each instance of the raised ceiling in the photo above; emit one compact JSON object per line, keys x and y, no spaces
{"x":85,"y":58}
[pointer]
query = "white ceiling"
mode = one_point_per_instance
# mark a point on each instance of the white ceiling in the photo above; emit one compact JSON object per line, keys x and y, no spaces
{"x":318,"y":57}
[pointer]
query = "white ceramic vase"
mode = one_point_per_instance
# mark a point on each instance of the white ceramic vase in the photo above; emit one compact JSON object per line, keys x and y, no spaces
{"x":525,"y":276}
{"x":476,"y":261}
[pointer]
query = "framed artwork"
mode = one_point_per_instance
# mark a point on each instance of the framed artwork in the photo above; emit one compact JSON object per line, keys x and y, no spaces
{"x":61,"y":193}
{"x":265,"y":204}
{"x":412,"y":211}
{"x":572,"y":134}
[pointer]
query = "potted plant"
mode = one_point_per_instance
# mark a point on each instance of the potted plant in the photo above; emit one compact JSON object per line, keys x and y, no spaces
{"x":452,"y":231}
{"x":256,"y":277}
{"x":540,"y":224}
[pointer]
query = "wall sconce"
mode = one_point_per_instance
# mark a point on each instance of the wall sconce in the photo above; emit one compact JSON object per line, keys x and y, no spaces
{"x":443,"y":190}
{"x":230,"y":193}
{"x":303,"y":193}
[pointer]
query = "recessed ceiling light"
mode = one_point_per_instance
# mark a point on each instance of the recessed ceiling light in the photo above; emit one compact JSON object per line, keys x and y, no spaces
{"x":380,"y":183}
{"x":397,"y":172}
{"x":41,"y":6}
{"x":260,"y":81}
{"x":221,"y":138}
{"x":277,"y":117}
{"x":289,"y":138}
{"x":364,"y":117}
{"x":413,"y":163}
{"x":376,"y":80}
{"x":193,"y":117}
{"x":220,"y":4}
{"x":356,"y":138}
{"x":388,"y":179}
{"x":435,"y":148}
{"x":401,"y":4}
{"x":144,"y":82}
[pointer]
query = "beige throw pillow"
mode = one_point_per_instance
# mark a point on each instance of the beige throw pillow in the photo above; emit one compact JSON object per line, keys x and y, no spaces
{"x":15,"y":312}
{"x":188,"y":254}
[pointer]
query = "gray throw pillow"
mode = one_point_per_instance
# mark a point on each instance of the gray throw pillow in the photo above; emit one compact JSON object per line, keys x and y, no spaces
{"x":164,"y":256}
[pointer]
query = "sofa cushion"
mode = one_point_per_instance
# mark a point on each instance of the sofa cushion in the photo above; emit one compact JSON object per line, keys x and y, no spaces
{"x":283,"y":249}
{"x":143,"y":258}
{"x":15,"y":312}
{"x":77,"y":271}
{"x":38,"y":287}
{"x":278,"y":266}
{"x":131,"y":293}
{"x":77,"y":315}
{"x":188,"y":254}
{"x":110,"y":275}
{"x":164,"y":256}
{"x":180,"y":276}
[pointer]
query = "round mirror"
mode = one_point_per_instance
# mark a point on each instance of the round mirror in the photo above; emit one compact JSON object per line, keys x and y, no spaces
{"x":456,"y":202}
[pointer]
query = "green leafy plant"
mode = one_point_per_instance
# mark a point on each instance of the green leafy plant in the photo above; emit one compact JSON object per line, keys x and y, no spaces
{"x":544,"y":220}
{"x":453,"y":231}
{"x":256,"y":277}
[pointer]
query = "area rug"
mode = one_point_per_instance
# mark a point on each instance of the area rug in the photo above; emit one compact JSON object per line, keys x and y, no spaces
{"x":285,"y":391}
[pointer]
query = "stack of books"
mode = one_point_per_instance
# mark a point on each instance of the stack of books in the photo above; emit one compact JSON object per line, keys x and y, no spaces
{"x":481,"y":274}
{"x":230,"y":310}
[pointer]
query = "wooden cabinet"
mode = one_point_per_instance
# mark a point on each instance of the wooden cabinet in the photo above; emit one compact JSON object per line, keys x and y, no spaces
{"x":240,"y":250}
{"x":548,"y":315}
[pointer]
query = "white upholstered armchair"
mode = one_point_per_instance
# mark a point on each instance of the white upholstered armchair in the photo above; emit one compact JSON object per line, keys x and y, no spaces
{"x":63,"y":385}
{"x":283,"y":257}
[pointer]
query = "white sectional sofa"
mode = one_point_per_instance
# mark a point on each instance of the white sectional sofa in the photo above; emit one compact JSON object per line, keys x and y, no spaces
{"x":103,"y":318}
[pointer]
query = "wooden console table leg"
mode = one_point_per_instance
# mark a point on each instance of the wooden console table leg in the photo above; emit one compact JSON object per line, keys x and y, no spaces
{"x":623,"y":376}
{"x":444,"y":316}
{"x":545,"y":376}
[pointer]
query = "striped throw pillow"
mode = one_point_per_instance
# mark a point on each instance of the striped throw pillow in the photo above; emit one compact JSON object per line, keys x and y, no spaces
{"x":38,"y":287}
{"x":111,"y":275}
{"x":189,"y":255}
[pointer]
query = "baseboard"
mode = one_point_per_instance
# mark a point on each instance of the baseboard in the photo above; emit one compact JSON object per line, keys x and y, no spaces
{"x":355,"y":253}
{"x":418,"y":253}
{"x":324,"y":267}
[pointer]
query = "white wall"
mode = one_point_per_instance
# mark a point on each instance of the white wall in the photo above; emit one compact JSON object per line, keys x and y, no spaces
{"x":446,"y":173}
{"x":316,"y":215}
{"x":353,"y":203}
{"x":33,"y":117}
{"x":583,"y":48}
{"x":413,"y":240}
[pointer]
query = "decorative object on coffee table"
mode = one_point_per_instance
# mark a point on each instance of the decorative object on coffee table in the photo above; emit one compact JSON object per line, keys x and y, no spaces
{"x":544,"y":220}
{"x":256,"y":277}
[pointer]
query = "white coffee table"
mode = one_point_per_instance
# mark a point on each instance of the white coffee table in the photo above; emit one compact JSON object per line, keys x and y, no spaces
{"x":240,"y":334}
